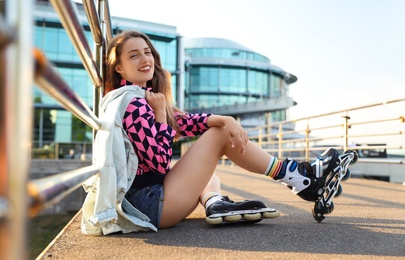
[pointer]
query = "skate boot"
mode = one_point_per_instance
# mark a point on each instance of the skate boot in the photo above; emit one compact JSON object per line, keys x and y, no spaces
{"x":318,"y":181}
{"x":227,"y":211}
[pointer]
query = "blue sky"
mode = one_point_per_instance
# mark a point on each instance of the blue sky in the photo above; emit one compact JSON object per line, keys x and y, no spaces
{"x":345,"y":53}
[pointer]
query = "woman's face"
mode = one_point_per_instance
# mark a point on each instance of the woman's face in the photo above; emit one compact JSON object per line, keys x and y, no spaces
{"x":136,"y":62}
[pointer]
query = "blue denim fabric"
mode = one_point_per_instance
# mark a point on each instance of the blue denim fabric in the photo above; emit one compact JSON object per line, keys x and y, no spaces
{"x":148,"y":200}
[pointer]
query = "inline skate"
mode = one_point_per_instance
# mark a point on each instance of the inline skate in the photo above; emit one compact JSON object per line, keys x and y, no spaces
{"x":320,"y":180}
{"x":227,"y":211}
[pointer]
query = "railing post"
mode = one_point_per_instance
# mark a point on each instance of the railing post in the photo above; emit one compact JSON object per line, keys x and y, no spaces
{"x":307,"y":132}
{"x":56,"y":151}
{"x":98,"y":49}
{"x":5,"y":244}
{"x":280,"y":141}
{"x":346,"y":127}
{"x":107,"y":21}
{"x":260,"y":137}
{"x":269,"y":126}
{"x":18,"y":124}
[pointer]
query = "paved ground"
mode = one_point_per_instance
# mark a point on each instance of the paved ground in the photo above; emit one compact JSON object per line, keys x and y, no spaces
{"x":368,"y":223}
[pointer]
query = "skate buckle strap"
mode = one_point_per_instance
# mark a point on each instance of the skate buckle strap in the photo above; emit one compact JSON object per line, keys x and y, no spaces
{"x":226,"y":198}
{"x":308,"y":168}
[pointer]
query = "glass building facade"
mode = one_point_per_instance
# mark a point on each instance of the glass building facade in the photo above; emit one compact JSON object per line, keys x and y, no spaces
{"x":208,"y":75}
{"x":53,"y":124}
{"x":225,"y":77}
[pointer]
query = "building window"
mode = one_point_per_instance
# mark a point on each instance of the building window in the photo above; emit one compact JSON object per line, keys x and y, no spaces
{"x":258,"y":84}
{"x":232,"y":80}
{"x":276,"y":86}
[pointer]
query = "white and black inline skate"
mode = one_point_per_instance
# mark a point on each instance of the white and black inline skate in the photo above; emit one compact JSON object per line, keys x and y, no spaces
{"x":319,"y":181}
{"x":227,"y":211}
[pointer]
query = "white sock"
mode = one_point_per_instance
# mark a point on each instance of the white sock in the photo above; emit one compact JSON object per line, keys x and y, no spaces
{"x":210,"y":198}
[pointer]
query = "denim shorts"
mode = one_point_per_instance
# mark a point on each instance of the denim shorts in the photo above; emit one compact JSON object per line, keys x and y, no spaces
{"x":148,"y":200}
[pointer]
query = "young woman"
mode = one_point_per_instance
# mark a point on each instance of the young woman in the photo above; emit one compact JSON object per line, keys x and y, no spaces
{"x":168,"y":195}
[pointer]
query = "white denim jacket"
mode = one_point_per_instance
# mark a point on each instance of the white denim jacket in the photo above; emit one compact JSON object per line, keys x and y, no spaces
{"x":105,"y":209}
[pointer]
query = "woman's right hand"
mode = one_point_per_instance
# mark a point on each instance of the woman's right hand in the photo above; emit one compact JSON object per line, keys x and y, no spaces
{"x":157,"y":102}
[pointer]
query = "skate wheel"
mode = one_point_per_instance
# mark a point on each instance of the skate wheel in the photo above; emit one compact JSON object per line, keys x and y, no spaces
{"x":273,"y":214}
{"x":339,"y":191}
{"x":331,"y":208}
{"x":317,"y":212}
{"x":347,"y":175}
{"x":213,"y":221}
{"x":233,"y":218}
{"x":252,"y":216}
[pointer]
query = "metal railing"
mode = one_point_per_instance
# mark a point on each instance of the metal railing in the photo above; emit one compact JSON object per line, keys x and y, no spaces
{"x":16,"y":108}
{"x":16,"y":50}
{"x":377,"y":137}
{"x":337,"y":129}
{"x":16,"y":105}
{"x":62,"y":150}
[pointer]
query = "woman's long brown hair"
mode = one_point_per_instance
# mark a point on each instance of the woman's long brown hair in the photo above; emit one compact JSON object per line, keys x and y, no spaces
{"x":159,"y":83}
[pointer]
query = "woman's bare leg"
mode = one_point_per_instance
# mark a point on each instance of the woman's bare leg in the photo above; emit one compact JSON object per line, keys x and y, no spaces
{"x":189,"y":177}
{"x":214,"y":185}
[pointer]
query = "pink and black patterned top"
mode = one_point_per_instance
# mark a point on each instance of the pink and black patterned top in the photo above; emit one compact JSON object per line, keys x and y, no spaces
{"x":152,"y":141}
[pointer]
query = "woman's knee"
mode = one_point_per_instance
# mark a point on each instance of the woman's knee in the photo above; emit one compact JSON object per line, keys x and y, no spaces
{"x":217,"y":135}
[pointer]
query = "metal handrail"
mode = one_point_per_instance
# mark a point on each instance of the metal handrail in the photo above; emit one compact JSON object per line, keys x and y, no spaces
{"x":94,"y":21}
{"x":276,"y":143}
{"x":5,"y":40}
{"x":16,"y":127}
{"x":50,"y":82}
{"x":54,"y":85}
{"x":4,"y":188}
{"x":15,"y":105}
{"x":106,"y":19}
{"x":6,"y":35}
{"x":278,"y":139}
{"x":347,"y":110}
{"x":48,"y":191}
{"x":69,"y":18}
{"x":401,"y":118}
